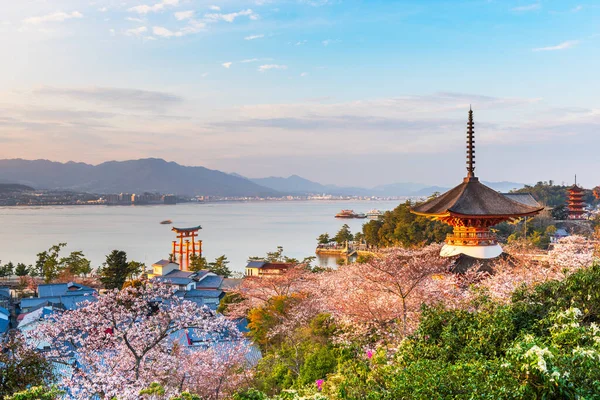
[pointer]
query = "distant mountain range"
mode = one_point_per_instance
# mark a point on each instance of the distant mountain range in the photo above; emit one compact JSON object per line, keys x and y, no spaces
{"x":157,"y":175}
{"x":135,"y":176}
{"x":298,"y":185}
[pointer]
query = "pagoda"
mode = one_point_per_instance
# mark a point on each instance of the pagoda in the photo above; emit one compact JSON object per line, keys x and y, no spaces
{"x":576,"y":205}
{"x":472,"y":208}
{"x":186,"y":246}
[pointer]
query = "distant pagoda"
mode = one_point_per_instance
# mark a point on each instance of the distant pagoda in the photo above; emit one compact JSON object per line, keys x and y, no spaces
{"x":471,"y":208}
{"x":576,"y":205}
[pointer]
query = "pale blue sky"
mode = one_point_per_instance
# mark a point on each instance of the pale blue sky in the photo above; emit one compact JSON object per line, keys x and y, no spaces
{"x":348,"y":92}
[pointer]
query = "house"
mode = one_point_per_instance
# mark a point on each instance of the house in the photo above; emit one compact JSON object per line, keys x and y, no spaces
{"x":262,"y":268}
{"x":4,"y":320}
{"x":559,"y":234}
{"x":201,"y":287}
{"x":5,"y":297}
{"x":163,"y":267}
{"x":67,"y":296}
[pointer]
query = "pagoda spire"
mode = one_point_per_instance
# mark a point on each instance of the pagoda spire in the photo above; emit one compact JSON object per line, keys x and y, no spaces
{"x":470,"y":146}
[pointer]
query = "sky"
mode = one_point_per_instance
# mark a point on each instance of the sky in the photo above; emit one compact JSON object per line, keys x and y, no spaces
{"x":348,"y":92}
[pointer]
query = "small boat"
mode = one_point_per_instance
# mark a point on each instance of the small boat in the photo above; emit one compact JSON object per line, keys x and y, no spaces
{"x":345,"y":214}
{"x":374,"y":213}
{"x":360,"y":216}
{"x":166,"y":222}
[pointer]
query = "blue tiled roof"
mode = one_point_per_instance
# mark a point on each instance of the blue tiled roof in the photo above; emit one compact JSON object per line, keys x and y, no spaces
{"x":70,"y":302}
{"x":63,"y":289}
{"x":3,"y":325}
{"x":4,"y":291}
{"x":174,"y":280}
{"x":202,"y":293}
{"x":4,"y":311}
{"x":176,"y":273}
{"x":255,"y":264}
{"x":211,"y":281}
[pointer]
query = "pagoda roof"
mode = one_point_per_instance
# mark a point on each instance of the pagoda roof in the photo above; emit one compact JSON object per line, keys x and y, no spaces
{"x":575,"y":188}
{"x":473,"y":198}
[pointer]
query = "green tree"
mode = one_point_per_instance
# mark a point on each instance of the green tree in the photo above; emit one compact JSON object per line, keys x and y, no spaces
{"x":343,"y":235}
{"x":323,"y":238}
{"x":197,"y":263}
{"x":219,"y":266}
{"x":48,"y":264}
{"x":21,"y":270}
{"x":22,"y":366}
{"x":76,"y":264}
{"x":116,"y":270}
{"x":401,"y":227}
{"x":6,"y":270}
{"x":136,"y":268}
{"x":37,"y":393}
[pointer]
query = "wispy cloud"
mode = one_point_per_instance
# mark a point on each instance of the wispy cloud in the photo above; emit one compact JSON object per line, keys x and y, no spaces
{"x":252,"y":37}
{"x":560,"y":46}
{"x":267,"y":67}
{"x":232,"y":16}
{"x":136,"y":31}
{"x":528,"y":7}
{"x":303,"y":74}
{"x":145,"y":9}
{"x":577,"y":8}
{"x":54,"y":17}
{"x":227,"y":64}
{"x":215,"y":8}
{"x":250,"y":60}
{"x":183,"y":15}
{"x":125,"y":98}
{"x":133,"y":19}
{"x":327,"y":42}
{"x":165,"y":33}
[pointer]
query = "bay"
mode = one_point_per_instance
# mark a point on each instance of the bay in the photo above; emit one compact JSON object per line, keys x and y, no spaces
{"x":237,"y":229}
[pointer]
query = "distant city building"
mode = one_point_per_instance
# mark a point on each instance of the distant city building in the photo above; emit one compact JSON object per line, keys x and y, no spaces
{"x":471,"y":208}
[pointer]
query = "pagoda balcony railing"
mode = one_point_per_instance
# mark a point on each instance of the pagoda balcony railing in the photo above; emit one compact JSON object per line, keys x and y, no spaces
{"x":466,"y":238}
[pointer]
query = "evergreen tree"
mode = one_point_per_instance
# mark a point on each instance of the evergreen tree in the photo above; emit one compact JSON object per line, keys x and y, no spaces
{"x":324,"y":238}
{"x":116,"y":270}
{"x":197,"y":263}
{"x":219,"y":266}
{"x":76,"y":263}
{"x":21,"y":270}
{"x":343,"y":235}
{"x":48,"y":264}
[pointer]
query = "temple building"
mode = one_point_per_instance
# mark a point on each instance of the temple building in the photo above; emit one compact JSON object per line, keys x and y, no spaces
{"x":576,"y":205}
{"x":472,"y":208}
{"x":186,"y":246}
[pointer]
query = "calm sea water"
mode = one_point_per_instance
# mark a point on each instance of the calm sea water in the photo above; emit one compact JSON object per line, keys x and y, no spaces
{"x":238,"y":230}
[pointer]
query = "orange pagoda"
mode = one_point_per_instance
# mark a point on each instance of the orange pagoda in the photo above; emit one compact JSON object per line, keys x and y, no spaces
{"x":576,"y":204}
{"x":472,"y":208}
{"x":186,"y":246}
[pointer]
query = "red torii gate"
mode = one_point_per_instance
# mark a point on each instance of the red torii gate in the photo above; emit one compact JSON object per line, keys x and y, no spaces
{"x":183,"y":247}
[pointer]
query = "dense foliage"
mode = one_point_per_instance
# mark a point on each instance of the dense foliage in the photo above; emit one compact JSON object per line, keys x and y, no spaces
{"x":400,"y":227}
{"x":530,"y":330}
{"x":551,"y":195}
{"x":21,"y":366}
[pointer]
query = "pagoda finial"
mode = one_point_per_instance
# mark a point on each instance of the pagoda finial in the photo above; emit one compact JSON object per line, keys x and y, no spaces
{"x":470,"y":145}
{"x":575,"y":179}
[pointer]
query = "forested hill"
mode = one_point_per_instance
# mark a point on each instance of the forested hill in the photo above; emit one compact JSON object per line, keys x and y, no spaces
{"x":14,"y":187}
{"x":133,"y":176}
{"x":551,"y":195}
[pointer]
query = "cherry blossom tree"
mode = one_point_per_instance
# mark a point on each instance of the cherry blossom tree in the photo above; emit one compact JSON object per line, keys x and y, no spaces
{"x":572,"y":252}
{"x":388,"y":289}
{"x":125,"y":340}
